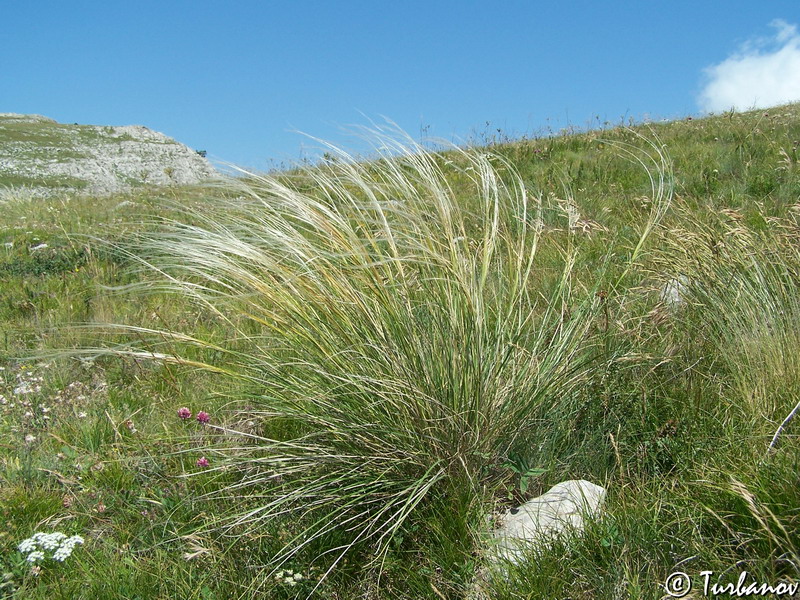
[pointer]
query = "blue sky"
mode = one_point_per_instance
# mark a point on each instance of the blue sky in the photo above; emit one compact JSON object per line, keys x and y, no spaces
{"x":237,"y":78}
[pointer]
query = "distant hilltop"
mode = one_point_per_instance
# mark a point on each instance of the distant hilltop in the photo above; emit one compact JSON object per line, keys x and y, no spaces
{"x":44,"y":157}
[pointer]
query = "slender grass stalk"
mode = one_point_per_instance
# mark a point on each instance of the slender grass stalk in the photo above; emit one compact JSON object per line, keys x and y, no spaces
{"x":792,"y":413}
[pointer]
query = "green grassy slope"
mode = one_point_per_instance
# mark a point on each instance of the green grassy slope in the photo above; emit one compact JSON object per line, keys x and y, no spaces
{"x":673,"y":412}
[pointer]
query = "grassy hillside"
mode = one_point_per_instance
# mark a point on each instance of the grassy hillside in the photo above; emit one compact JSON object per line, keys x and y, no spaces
{"x":385,"y":350}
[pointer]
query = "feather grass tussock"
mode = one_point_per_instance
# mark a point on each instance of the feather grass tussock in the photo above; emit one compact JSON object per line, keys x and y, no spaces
{"x":396,"y":328}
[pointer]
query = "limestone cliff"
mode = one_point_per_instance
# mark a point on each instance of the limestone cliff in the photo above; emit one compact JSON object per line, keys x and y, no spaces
{"x":45,"y":157}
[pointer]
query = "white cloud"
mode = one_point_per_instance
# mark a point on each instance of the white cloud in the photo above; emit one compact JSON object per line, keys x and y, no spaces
{"x":763,"y":72}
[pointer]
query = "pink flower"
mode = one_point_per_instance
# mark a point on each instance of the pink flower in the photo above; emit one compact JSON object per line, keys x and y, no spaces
{"x":202,"y":462}
{"x":203,"y":417}
{"x":184,"y":413}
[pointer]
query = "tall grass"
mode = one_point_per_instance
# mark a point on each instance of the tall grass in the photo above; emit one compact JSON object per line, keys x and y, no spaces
{"x":741,"y":281}
{"x":680,"y":440}
{"x":395,"y":325}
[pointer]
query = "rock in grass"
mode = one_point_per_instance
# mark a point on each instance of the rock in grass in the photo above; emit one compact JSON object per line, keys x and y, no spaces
{"x":561,"y":511}
{"x":673,"y":292}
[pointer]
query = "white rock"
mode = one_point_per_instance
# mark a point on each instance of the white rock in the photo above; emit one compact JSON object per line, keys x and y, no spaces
{"x":558,"y":512}
{"x":674,"y":291}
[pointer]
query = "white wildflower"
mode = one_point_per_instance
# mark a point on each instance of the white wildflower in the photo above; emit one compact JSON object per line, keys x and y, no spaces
{"x":23,"y":388}
{"x":56,"y":542}
{"x":49,"y":541}
{"x":63,"y":553}
{"x":288,"y":577}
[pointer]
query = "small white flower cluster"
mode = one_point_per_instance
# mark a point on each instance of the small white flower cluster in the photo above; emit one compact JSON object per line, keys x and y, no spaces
{"x":288,"y":577}
{"x":76,"y":392}
{"x":58,"y":543}
{"x":28,"y":383}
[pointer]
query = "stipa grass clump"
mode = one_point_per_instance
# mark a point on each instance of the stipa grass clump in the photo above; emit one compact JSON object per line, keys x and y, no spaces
{"x":400,"y":337}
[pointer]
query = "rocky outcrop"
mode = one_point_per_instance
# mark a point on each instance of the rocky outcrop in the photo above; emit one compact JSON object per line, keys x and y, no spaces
{"x":45,"y":157}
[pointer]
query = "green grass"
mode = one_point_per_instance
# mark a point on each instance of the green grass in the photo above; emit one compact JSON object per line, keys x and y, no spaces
{"x":377,"y":342}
